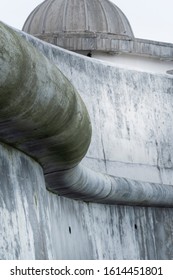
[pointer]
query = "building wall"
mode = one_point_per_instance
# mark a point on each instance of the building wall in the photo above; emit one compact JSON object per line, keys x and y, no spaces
{"x":131,"y":114}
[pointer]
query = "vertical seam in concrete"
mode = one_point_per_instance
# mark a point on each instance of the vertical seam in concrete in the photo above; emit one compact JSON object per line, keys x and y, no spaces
{"x":158,"y":160}
{"x":104,"y":154}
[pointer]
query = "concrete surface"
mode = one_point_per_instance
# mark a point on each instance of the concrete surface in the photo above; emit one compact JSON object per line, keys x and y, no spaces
{"x":59,"y":140}
{"x":35,"y":224}
{"x":41,"y":112}
{"x":131,"y":115}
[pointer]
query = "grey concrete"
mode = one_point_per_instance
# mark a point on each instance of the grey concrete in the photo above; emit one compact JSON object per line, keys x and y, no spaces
{"x":21,"y":224}
{"x":40,"y":112}
{"x":59,"y":140}
{"x":136,"y":107}
{"x":35,"y":224}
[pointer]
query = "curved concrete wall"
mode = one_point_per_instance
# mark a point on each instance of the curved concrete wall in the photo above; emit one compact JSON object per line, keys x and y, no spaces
{"x":21,"y":225}
{"x":48,"y":121}
{"x":131,"y":114}
{"x":35,"y":224}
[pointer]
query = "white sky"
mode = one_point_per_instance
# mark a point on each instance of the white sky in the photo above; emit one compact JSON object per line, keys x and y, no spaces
{"x":149,"y":19}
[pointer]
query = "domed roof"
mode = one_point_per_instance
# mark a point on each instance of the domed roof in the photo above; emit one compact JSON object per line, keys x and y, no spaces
{"x":57,"y":21}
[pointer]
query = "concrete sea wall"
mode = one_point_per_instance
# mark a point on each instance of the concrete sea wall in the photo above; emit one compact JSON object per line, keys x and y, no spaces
{"x":131,"y":116}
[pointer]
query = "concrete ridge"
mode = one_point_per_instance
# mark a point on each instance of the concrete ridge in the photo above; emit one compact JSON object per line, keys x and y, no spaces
{"x":42,"y":115}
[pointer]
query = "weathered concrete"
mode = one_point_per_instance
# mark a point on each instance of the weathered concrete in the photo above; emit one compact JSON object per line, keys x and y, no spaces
{"x":58,"y":147}
{"x":40,"y":112}
{"x":21,"y":225}
{"x":132,"y":118}
{"x":35,"y":224}
{"x":131,"y":113}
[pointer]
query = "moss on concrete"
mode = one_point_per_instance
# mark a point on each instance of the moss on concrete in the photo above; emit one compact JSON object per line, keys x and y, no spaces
{"x":46,"y":117}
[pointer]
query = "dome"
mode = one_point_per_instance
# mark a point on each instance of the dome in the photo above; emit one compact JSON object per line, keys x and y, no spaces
{"x":79,"y":24}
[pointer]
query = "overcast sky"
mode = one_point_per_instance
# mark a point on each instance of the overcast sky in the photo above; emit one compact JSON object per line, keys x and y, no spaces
{"x":150,"y":19}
